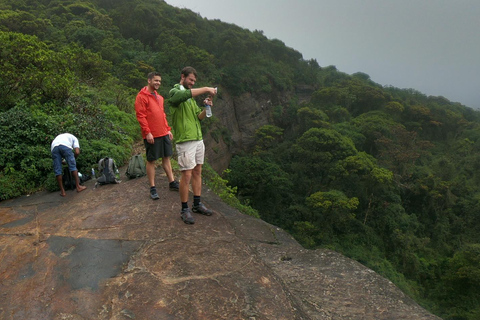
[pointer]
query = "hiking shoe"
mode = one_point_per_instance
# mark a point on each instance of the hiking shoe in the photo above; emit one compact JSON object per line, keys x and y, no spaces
{"x":186,"y":216}
{"x":154,"y":194}
{"x":174,"y":185}
{"x":202,"y":209}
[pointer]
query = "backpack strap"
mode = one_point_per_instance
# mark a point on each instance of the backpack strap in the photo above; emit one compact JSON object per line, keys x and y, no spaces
{"x":105,"y":166}
{"x":136,"y":163}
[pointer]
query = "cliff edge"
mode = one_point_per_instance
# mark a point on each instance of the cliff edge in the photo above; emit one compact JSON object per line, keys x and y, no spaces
{"x":113,"y":253}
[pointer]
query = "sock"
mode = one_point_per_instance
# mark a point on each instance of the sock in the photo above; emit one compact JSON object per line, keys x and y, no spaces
{"x":184,"y":205}
{"x":196,"y":200}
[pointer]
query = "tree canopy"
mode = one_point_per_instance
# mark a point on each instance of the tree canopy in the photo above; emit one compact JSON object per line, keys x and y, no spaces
{"x":386,"y":176}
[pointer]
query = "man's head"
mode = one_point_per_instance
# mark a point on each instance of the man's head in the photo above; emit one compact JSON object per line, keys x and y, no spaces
{"x":188,"y":77}
{"x":154,"y":81}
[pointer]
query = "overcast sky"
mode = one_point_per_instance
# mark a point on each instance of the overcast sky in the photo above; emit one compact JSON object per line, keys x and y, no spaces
{"x":432,"y":46}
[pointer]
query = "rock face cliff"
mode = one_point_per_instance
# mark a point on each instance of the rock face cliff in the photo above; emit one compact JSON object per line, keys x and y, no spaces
{"x":236,"y":118}
{"x":234,"y":124}
{"x":113,"y":253}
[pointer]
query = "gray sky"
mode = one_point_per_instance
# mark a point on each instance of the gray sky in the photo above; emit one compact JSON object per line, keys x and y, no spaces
{"x":432,"y":46}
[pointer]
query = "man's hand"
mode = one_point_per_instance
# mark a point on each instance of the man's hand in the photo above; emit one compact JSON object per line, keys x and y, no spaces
{"x":212,"y":91}
{"x":149,"y":138}
{"x":170,"y":135}
{"x":208,"y":100}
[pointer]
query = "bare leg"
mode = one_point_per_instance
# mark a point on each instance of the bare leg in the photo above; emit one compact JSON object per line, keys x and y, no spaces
{"x":60,"y":184}
{"x":151,"y":173}
{"x":184,"y":183}
{"x":167,"y":167}
{"x":197,"y":180}
{"x":77,"y":181}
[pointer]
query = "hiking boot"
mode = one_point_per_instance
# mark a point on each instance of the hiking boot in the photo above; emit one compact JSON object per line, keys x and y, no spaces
{"x":186,"y":216}
{"x":154,"y":194}
{"x":202,"y":209}
{"x":174,"y":185}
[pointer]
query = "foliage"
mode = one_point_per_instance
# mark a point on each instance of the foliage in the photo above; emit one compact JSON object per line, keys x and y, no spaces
{"x":31,"y":72}
{"x":27,"y":131}
{"x":387,"y":176}
{"x":225,"y":192}
{"x":256,"y":180}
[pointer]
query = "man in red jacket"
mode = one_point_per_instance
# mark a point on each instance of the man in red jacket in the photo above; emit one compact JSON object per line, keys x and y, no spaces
{"x":155,"y":132}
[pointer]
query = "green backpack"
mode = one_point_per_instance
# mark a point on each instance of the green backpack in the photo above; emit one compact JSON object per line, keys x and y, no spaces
{"x":136,"y":167}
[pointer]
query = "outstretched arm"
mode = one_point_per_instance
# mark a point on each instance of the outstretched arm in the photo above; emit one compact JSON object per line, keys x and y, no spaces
{"x":199,"y":91}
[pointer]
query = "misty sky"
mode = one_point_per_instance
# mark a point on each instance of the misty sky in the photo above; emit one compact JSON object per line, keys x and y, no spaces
{"x":432,"y":46}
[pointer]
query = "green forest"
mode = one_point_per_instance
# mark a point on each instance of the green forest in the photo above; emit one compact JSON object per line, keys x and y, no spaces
{"x":384,"y":175}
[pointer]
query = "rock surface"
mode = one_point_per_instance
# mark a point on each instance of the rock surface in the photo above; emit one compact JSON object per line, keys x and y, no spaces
{"x":113,"y":253}
{"x":236,"y":118}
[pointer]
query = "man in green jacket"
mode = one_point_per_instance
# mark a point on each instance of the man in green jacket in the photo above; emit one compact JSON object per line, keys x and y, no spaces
{"x":186,"y":117}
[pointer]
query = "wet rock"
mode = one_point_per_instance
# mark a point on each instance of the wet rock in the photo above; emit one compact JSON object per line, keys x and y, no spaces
{"x":113,"y":253}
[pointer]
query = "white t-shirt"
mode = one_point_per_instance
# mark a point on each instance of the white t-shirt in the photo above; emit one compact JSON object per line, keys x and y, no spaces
{"x":65,"y":139}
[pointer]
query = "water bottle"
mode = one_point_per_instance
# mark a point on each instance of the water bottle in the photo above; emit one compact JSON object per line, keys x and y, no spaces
{"x":208,"y":110}
{"x":93,"y":173}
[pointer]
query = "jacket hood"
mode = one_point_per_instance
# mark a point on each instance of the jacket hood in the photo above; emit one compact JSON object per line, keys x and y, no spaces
{"x":145,"y":91}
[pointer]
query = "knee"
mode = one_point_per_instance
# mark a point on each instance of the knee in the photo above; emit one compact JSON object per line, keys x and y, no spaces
{"x":197,"y":171}
{"x":187,"y":175}
{"x":151,"y":163}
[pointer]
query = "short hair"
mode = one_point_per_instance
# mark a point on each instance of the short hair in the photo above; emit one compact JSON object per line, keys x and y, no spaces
{"x":189,"y":70}
{"x":153,"y":74}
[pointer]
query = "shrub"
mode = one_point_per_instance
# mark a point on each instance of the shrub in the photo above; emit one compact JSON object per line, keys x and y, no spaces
{"x":227,"y":194}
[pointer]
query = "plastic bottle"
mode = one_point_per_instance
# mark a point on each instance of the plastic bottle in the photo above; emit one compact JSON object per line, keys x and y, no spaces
{"x":208,"y":110}
{"x":93,"y":173}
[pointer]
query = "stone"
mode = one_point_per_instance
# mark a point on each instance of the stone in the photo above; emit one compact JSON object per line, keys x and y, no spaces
{"x":113,"y":253}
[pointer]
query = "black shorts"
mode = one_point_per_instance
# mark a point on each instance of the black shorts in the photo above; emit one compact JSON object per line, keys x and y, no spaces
{"x":161,"y":148}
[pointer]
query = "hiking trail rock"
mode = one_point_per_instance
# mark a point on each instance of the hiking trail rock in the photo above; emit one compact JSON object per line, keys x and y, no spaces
{"x":113,"y":253}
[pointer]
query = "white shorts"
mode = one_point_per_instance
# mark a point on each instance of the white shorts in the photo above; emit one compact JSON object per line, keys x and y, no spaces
{"x":190,"y":154}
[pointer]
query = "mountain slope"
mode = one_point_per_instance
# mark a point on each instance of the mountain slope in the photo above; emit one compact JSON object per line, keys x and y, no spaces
{"x":113,"y":253}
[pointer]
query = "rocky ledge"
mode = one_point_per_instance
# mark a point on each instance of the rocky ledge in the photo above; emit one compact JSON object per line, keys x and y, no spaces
{"x":113,"y":253}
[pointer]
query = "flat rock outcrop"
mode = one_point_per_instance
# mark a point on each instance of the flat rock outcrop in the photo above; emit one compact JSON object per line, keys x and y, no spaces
{"x":113,"y":253}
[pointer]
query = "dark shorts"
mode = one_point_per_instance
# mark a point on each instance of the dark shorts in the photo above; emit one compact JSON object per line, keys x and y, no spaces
{"x":63,"y":152}
{"x":161,"y":148}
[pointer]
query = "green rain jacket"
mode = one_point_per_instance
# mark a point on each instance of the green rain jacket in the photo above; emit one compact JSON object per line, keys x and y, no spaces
{"x":184,"y":114}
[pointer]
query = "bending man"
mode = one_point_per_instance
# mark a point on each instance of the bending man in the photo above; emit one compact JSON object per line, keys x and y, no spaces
{"x":66,"y":146}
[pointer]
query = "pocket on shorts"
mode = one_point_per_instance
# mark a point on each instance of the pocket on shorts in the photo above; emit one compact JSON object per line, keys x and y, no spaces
{"x":186,"y":160}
